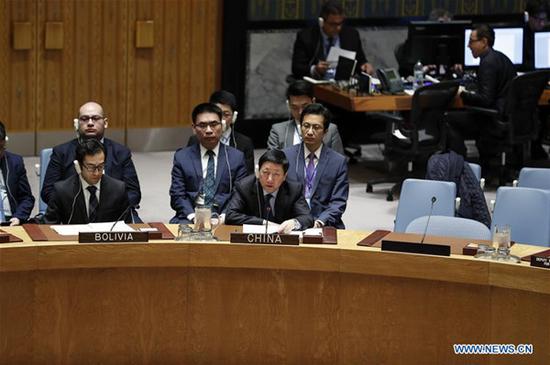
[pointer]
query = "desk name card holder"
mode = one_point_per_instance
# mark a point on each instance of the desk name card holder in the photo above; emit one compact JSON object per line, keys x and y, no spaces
{"x":541,"y":259}
{"x":113,"y":237}
{"x":265,"y":238}
{"x":414,"y":247}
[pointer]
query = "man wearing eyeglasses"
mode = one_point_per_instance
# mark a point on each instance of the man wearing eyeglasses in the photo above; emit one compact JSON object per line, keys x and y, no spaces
{"x":312,"y":45}
{"x":322,"y":171}
{"x":89,"y":196}
{"x":489,"y":91}
{"x":227,"y":102}
{"x":204,"y":174}
{"x":270,"y":197}
{"x":91,"y":124}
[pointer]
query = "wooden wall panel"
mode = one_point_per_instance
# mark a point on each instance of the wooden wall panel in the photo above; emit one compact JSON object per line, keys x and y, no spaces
{"x":90,"y":66}
{"x":17,"y":68}
{"x":181,"y":69}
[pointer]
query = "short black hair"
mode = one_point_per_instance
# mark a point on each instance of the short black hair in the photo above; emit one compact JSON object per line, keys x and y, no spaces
{"x":89,"y":147}
{"x":317,"y":109}
{"x":224,"y":97}
{"x":274,"y":156}
{"x":485,"y":31}
{"x":299,"y":88}
{"x":2,"y":131}
{"x":206,"y":108}
{"x":331,"y":7}
{"x":534,"y":7}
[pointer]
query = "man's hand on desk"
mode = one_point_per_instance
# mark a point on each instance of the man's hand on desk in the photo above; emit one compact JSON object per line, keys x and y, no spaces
{"x":15,"y":221}
{"x":367,"y":68}
{"x":321,"y":68}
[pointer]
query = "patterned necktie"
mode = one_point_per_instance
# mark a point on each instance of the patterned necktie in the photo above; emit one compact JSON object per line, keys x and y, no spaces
{"x":210,"y":180}
{"x":268,"y":211}
{"x":92,"y":209}
{"x":310,"y":175}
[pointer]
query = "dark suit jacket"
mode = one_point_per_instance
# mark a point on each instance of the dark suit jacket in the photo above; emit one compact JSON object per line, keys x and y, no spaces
{"x":187,"y":179}
{"x":308,"y":49}
{"x":330,"y":188}
{"x":493,"y":78}
{"x":19,"y":191}
{"x":118,"y":164}
{"x":113,"y":201}
{"x":247,"y":201}
{"x":243,"y":144}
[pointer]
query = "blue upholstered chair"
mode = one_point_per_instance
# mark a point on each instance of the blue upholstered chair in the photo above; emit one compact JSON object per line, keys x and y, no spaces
{"x":416,"y":200}
{"x":440,"y":225}
{"x":538,"y":178}
{"x":526,"y":211}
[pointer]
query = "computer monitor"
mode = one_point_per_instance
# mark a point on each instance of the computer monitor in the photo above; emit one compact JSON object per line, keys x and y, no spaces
{"x":437,"y":43}
{"x":542,"y":50}
{"x":508,"y":40}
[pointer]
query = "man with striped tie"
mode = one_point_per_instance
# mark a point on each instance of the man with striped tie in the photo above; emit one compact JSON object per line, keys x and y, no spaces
{"x":204,"y":174}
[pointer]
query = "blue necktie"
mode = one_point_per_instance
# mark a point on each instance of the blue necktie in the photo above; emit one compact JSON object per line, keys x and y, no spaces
{"x":92,"y":209}
{"x":210,"y":180}
{"x":310,"y":175}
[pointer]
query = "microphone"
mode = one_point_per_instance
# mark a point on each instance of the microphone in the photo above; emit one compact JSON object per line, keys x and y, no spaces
{"x":434,"y":199}
{"x":268,"y":210}
{"x":122,"y":215}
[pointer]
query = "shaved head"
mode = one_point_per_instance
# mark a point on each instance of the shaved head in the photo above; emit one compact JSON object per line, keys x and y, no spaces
{"x":91,"y":120}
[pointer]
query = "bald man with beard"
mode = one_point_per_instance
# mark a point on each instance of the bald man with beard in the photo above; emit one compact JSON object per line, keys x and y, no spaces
{"x":91,"y":123}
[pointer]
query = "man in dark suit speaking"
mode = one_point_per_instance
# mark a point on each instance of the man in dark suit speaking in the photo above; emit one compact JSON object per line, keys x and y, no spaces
{"x":313,"y":44}
{"x":270,"y":197}
{"x":204,"y":174}
{"x":89,"y":196}
{"x":323,"y":171}
{"x":91,"y":124}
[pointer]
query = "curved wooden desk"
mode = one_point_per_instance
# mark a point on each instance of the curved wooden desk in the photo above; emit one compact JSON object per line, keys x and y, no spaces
{"x":234,"y":304}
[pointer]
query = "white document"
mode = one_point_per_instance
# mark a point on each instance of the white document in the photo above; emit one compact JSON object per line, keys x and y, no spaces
{"x":75,"y":229}
{"x":316,"y":82}
{"x":256,"y":228}
{"x":313,"y":232}
{"x":336,"y":52}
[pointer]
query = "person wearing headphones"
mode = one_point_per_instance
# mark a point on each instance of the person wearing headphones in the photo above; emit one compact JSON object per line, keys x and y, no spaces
{"x":204,"y":174}
{"x":270,"y":197}
{"x":227,"y":102}
{"x":88,"y":196}
{"x":91,"y":124}
{"x":285,"y":134}
{"x":313,"y":44}
{"x":323,"y":172}
{"x":16,"y":199}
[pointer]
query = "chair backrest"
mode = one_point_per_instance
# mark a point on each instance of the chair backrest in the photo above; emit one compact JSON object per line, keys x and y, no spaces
{"x":527,"y":211}
{"x":449,"y":226}
{"x":416,"y":200}
{"x":45,"y":155}
{"x":476,"y":170}
{"x":538,"y":178}
{"x":429,"y":104}
{"x":522,"y":101}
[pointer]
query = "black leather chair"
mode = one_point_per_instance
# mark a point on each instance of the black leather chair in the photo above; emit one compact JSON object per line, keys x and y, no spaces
{"x":512,"y":132}
{"x":415,"y":138}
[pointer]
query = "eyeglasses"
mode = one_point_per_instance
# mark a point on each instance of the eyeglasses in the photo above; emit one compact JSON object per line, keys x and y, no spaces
{"x":85,"y":118}
{"x":227,"y":115}
{"x":316,"y":127}
{"x":212,"y":124}
{"x":94,"y":168}
{"x":267,"y":173}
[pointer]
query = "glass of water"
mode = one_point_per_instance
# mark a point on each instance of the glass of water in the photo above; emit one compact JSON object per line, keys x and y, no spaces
{"x":501,"y":242}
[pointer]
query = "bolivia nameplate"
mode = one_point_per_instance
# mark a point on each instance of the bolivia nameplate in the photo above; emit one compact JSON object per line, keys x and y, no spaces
{"x":540,"y":261}
{"x":263,"y":238}
{"x":112,"y":237}
{"x":412,"y":247}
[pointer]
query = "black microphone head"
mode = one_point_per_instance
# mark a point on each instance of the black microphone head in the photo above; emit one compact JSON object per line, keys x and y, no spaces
{"x":434,"y":199}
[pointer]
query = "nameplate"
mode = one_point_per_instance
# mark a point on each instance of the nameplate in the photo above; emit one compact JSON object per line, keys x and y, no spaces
{"x":540,"y":261}
{"x":263,"y":238}
{"x":4,"y":237}
{"x":412,"y":247}
{"x":112,"y":237}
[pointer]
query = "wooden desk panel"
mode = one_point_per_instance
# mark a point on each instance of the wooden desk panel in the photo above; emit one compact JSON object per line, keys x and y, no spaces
{"x":376,"y":103}
{"x":161,"y":302}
